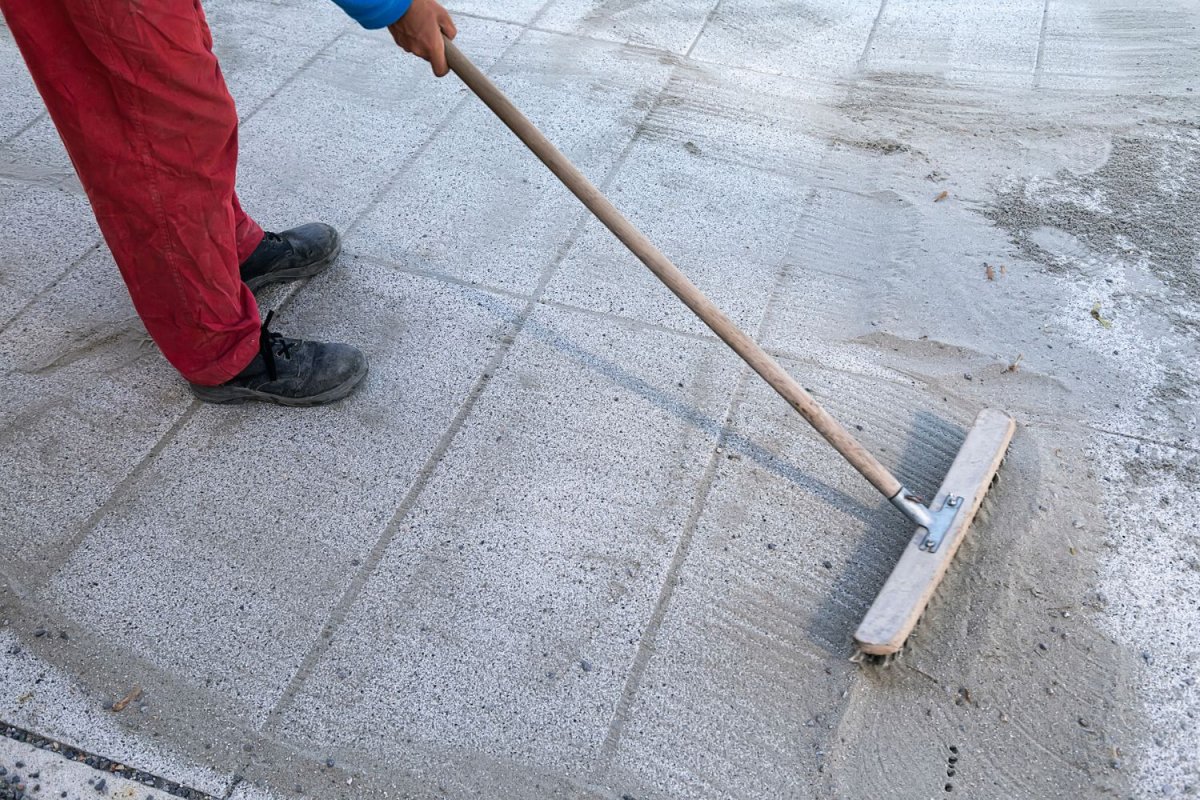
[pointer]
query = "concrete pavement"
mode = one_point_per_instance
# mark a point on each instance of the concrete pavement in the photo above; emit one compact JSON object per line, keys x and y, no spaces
{"x":562,"y":543}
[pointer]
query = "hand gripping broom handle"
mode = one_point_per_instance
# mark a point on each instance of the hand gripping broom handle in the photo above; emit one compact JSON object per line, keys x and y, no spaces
{"x":758,"y":359}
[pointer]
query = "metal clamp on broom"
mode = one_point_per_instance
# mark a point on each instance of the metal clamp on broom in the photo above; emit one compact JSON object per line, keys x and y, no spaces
{"x":941,"y":526}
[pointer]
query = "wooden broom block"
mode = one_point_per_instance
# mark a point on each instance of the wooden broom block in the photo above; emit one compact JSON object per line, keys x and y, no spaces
{"x":908,"y":589}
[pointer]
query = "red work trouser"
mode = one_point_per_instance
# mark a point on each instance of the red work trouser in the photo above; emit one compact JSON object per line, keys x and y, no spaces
{"x":139,"y":101}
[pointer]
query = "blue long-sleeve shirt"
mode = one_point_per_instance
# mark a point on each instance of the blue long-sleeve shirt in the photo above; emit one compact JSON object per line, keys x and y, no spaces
{"x":375,"y":13}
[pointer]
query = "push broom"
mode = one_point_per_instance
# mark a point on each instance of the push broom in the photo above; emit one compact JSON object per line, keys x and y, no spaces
{"x":941,"y":526}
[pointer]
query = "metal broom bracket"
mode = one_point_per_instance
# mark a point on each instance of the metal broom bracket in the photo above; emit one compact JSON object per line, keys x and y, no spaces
{"x":936,"y":523}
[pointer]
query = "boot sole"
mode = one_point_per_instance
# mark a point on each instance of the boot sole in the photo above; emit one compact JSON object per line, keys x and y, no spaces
{"x":307,"y":271}
{"x":228,"y":396}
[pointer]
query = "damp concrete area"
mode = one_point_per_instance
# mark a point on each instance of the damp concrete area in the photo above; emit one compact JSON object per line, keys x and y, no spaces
{"x":562,"y":543}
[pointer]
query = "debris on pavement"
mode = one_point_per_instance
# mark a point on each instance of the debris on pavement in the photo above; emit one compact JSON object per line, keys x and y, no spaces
{"x":1096,"y":316}
{"x":124,"y":702}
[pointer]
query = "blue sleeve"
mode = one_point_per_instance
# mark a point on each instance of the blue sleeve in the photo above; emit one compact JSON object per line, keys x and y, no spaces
{"x":375,"y":13}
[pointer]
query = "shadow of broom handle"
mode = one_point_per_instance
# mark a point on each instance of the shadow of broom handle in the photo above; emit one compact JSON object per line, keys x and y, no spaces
{"x":750,"y":351}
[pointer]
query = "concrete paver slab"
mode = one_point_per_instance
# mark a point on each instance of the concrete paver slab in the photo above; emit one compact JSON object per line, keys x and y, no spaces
{"x":821,"y":39}
{"x":56,"y":776}
{"x":68,"y":448}
{"x":502,"y":216}
{"x":951,"y":40}
{"x":750,"y":667}
{"x":261,"y":45}
{"x":678,"y":197}
{"x":703,"y":182}
{"x":35,"y":156}
{"x":496,"y":628}
{"x":521,"y":12}
{"x":670,"y":25}
{"x":22,"y":105}
{"x":333,"y":137}
{"x":1121,"y":45}
{"x":47,"y":230}
{"x":268,"y":556}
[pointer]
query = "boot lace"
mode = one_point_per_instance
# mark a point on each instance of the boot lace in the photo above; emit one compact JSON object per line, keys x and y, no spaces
{"x":271,"y":344}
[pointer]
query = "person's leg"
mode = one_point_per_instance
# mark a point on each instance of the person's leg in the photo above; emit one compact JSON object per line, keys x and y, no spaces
{"x":247,"y":232}
{"x":139,"y":101}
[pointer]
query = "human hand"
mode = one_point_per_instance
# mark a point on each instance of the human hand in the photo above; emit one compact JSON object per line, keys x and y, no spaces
{"x":420,"y":31}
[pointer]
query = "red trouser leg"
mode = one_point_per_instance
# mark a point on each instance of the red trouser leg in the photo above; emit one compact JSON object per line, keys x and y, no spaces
{"x":247,"y":234}
{"x":139,"y":101}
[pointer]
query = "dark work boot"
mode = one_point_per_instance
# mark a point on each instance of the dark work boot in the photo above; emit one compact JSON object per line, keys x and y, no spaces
{"x":291,"y":372}
{"x":296,"y":253}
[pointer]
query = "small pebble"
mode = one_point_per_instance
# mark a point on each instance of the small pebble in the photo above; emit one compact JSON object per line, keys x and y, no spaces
{"x":770,"y":545}
{"x":40,"y":632}
{"x":585,"y":665}
{"x":1042,"y":646}
{"x":827,"y":564}
{"x":329,"y":763}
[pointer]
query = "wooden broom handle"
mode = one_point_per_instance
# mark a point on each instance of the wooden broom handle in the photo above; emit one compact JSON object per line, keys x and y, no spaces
{"x":750,"y":351}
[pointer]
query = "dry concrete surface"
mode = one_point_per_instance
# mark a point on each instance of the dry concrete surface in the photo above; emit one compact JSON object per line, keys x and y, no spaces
{"x":562,"y":543}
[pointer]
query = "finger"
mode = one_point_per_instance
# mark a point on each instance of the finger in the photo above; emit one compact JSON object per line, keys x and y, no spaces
{"x":448,"y":27}
{"x":437,"y":58}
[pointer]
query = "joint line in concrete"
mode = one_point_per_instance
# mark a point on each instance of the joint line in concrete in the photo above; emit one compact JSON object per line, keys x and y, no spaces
{"x":712,"y":13}
{"x":865,"y":56}
{"x":50,"y":286}
{"x":64,"y":552}
{"x":1041,"y":51}
{"x":24,"y":129}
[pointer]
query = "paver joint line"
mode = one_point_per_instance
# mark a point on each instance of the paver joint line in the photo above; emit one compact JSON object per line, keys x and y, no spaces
{"x":12,"y":137}
{"x":712,"y":12}
{"x":647,"y":642}
{"x":1041,"y":50}
{"x":865,"y":56}
{"x":114,"y":497}
{"x":50,"y":286}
